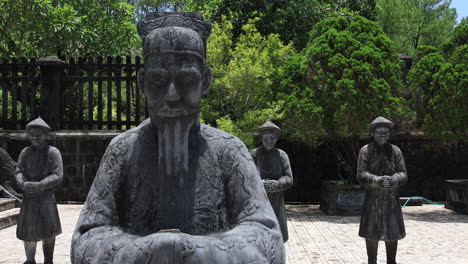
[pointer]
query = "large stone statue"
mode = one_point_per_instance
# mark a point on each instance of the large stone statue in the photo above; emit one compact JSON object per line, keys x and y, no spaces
{"x":38,"y":172}
{"x":381,"y":169}
{"x":275,"y":171}
{"x":8,"y":186}
{"x":174,"y":190}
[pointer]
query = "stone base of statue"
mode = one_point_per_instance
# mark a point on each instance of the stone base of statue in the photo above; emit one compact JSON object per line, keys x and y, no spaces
{"x":339,"y":198}
{"x":457,"y":195}
{"x":8,"y":212}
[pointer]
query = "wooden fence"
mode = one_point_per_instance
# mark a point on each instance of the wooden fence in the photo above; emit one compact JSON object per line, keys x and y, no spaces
{"x":19,"y":87}
{"x":82,"y":93}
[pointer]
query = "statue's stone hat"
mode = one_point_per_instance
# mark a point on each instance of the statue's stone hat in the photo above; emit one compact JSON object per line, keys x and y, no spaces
{"x":38,"y":122}
{"x":268,"y":125}
{"x":380,"y":121}
{"x":172,"y":27}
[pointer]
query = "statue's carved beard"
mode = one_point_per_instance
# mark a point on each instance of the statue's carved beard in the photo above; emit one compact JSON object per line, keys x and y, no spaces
{"x":173,"y":146}
{"x":176,"y":205}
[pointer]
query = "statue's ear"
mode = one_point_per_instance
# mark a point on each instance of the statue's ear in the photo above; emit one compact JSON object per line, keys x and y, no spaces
{"x":141,"y":79}
{"x":206,"y":79}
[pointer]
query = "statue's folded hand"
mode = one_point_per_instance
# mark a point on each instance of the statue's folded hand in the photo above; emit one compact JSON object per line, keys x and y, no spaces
{"x":31,"y":187}
{"x":156,"y":248}
{"x":393,"y":180}
{"x":214,"y":250}
{"x":271,"y":185}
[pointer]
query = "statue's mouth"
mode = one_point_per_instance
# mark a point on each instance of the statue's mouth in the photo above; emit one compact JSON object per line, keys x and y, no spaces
{"x":172,"y":112}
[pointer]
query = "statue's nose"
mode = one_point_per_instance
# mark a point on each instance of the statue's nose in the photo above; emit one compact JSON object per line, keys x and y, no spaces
{"x":172,"y":95}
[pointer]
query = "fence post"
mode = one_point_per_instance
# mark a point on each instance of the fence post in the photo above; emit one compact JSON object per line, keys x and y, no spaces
{"x":52,"y":71}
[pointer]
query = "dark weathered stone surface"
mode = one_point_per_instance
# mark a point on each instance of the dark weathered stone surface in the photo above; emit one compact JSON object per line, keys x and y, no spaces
{"x":381,"y":169}
{"x":51,"y":69}
{"x":173,"y":190}
{"x":457,"y":195}
{"x":427,"y":162}
{"x":8,"y":187}
{"x":38,"y":173}
{"x":341,"y":199}
{"x":275,"y":170}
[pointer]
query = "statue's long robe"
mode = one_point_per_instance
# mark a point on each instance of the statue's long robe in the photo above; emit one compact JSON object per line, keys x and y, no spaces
{"x":381,"y":216}
{"x":38,"y":218}
{"x":274,"y":165}
{"x":230,"y":208}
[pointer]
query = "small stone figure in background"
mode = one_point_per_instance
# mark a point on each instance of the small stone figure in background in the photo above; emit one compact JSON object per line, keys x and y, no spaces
{"x":381,"y":169}
{"x":275,"y":171}
{"x":38,"y":172}
{"x":7,"y":177}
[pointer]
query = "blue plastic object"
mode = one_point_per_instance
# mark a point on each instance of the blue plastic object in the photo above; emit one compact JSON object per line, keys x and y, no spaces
{"x":339,"y":166}
{"x":420,"y":197}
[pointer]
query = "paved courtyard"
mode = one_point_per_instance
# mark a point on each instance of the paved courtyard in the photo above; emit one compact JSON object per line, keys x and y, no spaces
{"x":434,"y":235}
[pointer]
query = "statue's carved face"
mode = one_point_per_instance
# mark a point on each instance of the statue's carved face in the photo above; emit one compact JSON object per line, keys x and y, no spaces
{"x":173,"y":86}
{"x":269,"y":139}
{"x":36,"y":135}
{"x":381,"y":134}
{"x":175,"y":77}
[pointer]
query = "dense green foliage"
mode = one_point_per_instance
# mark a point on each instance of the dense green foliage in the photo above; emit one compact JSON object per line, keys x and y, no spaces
{"x":439,"y":81}
{"x":241,"y":96}
{"x":291,"y":19}
{"x":37,"y":28}
{"x":317,"y":67}
{"x":411,"y":23}
{"x":352,"y":75}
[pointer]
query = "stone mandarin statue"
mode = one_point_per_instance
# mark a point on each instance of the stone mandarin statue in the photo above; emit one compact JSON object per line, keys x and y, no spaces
{"x":275,"y":171}
{"x":38,"y":172}
{"x":8,"y":186}
{"x":381,"y":169}
{"x":174,"y":190}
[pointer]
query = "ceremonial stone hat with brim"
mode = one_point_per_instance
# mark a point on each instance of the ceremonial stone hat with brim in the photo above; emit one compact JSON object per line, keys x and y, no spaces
{"x":268,"y":126}
{"x":38,"y":122}
{"x":380,"y":121}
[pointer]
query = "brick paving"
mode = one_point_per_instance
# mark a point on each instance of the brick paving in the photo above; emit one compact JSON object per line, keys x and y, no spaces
{"x":434,"y":235}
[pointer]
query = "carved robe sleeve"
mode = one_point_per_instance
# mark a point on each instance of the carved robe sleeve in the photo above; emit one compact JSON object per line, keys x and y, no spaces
{"x":255,"y":236}
{"x":286,"y":180}
{"x":55,"y":169}
{"x":97,"y":237}
{"x":19,"y":172}
{"x":400,"y":175}
{"x":364,"y":177}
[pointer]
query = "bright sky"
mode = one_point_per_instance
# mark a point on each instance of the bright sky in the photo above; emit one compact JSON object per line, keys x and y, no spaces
{"x":462,"y":8}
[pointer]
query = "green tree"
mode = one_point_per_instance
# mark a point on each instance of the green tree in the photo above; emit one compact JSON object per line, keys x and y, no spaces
{"x":143,"y":7}
{"x":421,"y":78}
{"x":438,"y":81}
{"x":244,"y":78}
{"x":364,"y":8}
{"x":37,"y":28}
{"x":292,"y":20}
{"x":352,"y":75}
{"x":411,"y":23}
{"x":448,"y":115}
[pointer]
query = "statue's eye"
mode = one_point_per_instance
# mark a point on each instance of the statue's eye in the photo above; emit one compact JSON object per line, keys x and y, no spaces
{"x":158,"y":78}
{"x":188,"y":77}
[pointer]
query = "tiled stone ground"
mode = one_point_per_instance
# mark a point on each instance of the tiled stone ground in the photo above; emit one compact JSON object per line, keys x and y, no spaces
{"x":434,"y":235}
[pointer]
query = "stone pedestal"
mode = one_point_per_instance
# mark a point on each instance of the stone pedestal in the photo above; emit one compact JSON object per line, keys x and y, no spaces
{"x":457,"y":195}
{"x":339,"y":198}
{"x":50,"y":108}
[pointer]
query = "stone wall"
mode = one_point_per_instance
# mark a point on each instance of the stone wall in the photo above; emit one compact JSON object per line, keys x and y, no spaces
{"x":428,"y":163}
{"x":81,"y":153}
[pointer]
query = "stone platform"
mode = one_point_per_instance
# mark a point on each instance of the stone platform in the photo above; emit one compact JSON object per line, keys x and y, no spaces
{"x":435,"y":235}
